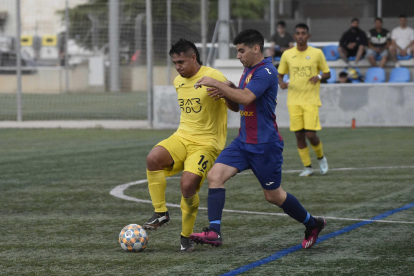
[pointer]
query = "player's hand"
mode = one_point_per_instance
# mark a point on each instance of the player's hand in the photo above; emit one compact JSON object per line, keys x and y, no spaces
{"x":314,"y":80}
{"x":214,"y":93}
{"x":283,"y":85}
{"x":206,"y":81}
{"x":403,"y":52}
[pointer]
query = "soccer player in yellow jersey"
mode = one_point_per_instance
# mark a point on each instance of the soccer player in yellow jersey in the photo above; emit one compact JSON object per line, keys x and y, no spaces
{"x":303,"y":63}
{"x":195,"y":145}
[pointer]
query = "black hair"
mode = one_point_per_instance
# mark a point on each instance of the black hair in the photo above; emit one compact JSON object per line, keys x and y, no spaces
{"x":281,"y":23}
{"x":403,"y":15}
{"x":354,"y":19}
{"x":302,"y":26}
{"x":379,"y":19}
{"x":250,"y":37}
{"x":184,"y":46}
{"x":343,"y":74}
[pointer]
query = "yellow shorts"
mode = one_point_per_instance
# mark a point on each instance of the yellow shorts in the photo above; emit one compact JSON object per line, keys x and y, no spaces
{"x":304,"y":117}
{"x":189,"y":157}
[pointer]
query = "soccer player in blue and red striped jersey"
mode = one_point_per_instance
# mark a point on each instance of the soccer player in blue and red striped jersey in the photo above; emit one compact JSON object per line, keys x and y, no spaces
{"x":258,"y":146}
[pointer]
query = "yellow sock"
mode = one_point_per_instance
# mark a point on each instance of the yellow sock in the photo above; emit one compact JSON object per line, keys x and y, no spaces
{"x":304,"y":156}
{"x":157,"y":183}
{"x":189,"y":209}
{"x":318,"y":150}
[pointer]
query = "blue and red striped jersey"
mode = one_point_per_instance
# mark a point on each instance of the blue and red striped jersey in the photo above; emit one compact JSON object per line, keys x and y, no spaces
{"x":258,"y":120}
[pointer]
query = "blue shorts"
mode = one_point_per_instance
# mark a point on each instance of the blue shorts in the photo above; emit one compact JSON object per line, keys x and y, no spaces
{"x":265,"y":160}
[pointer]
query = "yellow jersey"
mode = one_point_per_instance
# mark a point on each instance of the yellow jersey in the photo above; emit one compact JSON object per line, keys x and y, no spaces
{"x":203,"y":120}
{"x":301,"y":66}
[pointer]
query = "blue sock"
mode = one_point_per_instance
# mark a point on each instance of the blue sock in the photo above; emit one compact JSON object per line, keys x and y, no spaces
{"x":295,"y":210}
{"x":215,"y":204}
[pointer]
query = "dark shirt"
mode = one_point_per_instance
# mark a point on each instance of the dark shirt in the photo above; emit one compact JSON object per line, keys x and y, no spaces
{"x":282,"y":42}
{"x":352,"y":35}
{"x":378,"y":39}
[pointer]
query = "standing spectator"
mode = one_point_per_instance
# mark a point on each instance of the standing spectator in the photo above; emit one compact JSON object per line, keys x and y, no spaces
{"x":379,"y":39}
{"x":280,"y":41}
{"x":402,"y":40}
{"x":353,"y":42}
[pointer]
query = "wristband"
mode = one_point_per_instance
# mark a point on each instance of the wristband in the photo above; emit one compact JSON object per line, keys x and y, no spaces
{"x":320,"y":77}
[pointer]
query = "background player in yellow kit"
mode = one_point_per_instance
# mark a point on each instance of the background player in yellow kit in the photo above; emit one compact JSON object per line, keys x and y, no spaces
{"x":195,"y":145}
{"x":303,"y":63}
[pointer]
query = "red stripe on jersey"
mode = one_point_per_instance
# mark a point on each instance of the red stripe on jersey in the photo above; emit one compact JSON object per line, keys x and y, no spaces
{"x":251,"y":123}
{"x":277,"y":129}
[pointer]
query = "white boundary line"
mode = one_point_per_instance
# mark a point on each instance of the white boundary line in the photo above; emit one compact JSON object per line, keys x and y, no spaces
{"x":118,"y":191}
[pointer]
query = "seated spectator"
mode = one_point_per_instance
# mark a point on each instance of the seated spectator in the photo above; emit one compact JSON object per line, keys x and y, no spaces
{"x":402,"y":40}
{"x":343,"y":78}
{"x":353,"y":74}
{"x":379,"y":39}
{"x":352,"y":42}
{"x":280,"y":41}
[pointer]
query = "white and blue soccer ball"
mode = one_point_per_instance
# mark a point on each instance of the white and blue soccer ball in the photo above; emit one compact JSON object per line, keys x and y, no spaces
{"x":133,"y":238}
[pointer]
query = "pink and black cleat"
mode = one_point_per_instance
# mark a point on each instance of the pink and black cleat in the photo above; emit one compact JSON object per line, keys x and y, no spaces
{"x":311,"y":235}
{"x":208,"y":236}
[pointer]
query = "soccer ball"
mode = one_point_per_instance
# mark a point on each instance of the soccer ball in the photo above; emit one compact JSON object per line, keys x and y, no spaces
{"x":133,"y":238}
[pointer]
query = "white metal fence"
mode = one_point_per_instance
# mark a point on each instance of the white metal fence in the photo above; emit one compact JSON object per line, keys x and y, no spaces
{"x":68,"y":70}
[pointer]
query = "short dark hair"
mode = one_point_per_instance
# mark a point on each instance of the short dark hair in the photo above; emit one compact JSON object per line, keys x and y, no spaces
{"x":343,"y":75}
{"x":281,"y":23}
{"x":184,"y":46}
{"x":354,"y":19}
{"x":250,"y":37}
{"x":302,"y":26}
{"x":379,"y":19}
{"x":403,"y":15}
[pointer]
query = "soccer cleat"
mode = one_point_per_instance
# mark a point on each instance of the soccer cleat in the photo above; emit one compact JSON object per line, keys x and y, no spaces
{"x":208,"y":236}
{"x":186,"y":244}
{"x":311,"y":235}
{"x":157,"y":220}
{"x":307,"y":171}
{"x":323,"y":165}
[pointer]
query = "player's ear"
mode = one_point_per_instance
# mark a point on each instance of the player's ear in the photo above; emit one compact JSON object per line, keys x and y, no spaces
{"x":194,"y":58}
{"x":256,"y":48}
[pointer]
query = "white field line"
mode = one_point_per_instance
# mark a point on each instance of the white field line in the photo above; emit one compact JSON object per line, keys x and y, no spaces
{"x":118,"y":191}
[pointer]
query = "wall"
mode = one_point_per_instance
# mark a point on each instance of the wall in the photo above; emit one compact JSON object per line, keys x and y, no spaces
{"x":370,"y":105}
{"x":49,"y":80}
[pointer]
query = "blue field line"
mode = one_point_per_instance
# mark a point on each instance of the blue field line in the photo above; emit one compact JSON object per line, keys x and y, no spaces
{"x":292,"y":249}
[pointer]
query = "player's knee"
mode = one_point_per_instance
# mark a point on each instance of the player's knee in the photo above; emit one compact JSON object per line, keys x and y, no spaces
{"x":214,"y":180}
{"x":276,"y":197}
{"x":188,"y":188}
{"x":310,"y":134}
{"x":153,"y":162}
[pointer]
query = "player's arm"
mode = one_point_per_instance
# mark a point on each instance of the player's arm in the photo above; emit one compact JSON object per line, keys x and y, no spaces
{"x":323,"y":66}
{"x":282,"y":84}
{"x":217,"y":95}
{"x":282,"y":69}
{"x":233,"y":106}
{"x":240,"y":96}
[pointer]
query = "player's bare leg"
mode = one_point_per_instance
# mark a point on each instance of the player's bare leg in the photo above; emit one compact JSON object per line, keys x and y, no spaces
{"x":158,"y":159}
